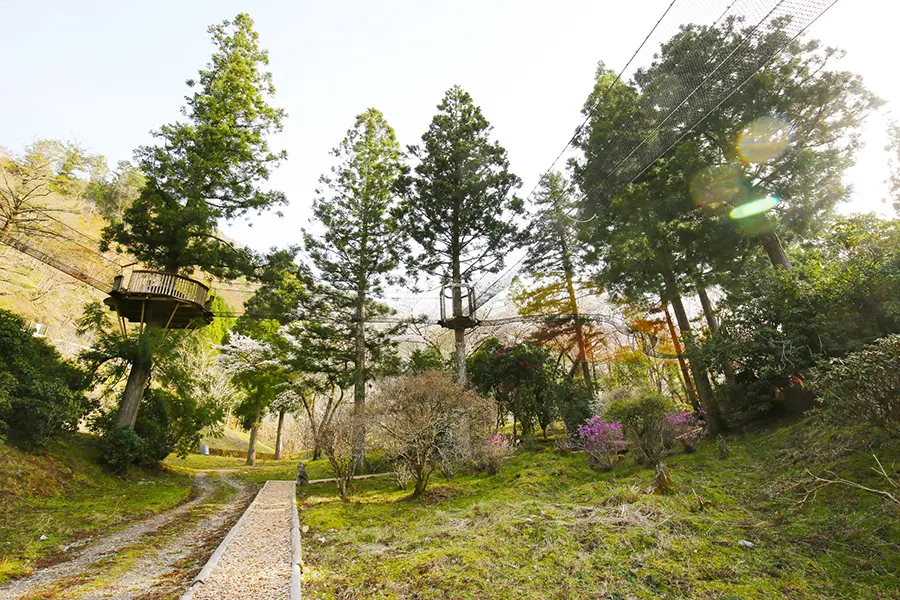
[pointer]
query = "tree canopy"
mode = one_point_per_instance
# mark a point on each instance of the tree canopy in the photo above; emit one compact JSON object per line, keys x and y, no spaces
{"x":209,"y":168}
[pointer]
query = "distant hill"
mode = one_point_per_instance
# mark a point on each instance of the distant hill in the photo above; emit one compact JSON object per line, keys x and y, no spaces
{"x":51,"y":299}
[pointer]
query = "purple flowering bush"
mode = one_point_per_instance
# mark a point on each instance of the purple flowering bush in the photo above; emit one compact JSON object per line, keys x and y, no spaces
{"x":684,"y":429}
{"x":602,"y":441}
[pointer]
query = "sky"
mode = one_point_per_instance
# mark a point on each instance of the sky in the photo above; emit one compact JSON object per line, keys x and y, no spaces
{"x":107,"y":73}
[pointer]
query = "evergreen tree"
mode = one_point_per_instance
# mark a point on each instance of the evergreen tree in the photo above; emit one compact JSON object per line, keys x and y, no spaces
{"x":673,"y":226}
{"x":361,"y":244}
{"x":554,"y":262}
{"x":209,"y":168}
{"x":206,"y":169}
{"x":458,"y":204}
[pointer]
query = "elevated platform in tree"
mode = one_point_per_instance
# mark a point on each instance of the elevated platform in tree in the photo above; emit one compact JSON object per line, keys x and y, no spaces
{"x":464,"y":322}
{"x":162,"y":299}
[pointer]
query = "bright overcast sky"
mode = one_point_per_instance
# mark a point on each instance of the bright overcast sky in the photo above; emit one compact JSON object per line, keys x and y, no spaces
{"x":106,"y":73}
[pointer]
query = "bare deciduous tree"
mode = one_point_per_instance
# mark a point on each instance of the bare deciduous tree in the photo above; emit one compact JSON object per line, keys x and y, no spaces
{"x":428,"y":422}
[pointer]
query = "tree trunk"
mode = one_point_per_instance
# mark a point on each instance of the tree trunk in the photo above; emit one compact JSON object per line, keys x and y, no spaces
{"x":359,"y":380}
{"x":579,"y":329}
{"x":713,"y":323}
{"x":459,"y":332}
{"x":711,"y":319}
{"x":685,"y":373}
{"x":254,"y":433}
{"x":278,"y":439}
{"x":775,"y":250}
{"x":421,"y":482}
{"x":136,"y":384}
{"x":714,"y":422}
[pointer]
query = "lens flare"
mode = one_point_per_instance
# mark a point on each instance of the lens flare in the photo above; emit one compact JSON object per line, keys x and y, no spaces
{"x":764,"y":140}
{"x":718,"y":185}
{"x":755,"y":207}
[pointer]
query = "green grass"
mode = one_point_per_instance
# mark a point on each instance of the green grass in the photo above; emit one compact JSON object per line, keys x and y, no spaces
{"x":65,"y":495}
{"x":199,"y":461}
{"x":548,"y":526}
{"x":232,"y":439}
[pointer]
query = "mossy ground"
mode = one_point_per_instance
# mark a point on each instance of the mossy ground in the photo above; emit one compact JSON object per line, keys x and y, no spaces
{"x":548,"y":526}
{"x":63,"y":495}
{"x":198,"y":461}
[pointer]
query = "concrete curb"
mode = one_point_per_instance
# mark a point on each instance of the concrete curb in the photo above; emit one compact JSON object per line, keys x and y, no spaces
{"x":220,"y":550}
{"x":296,"y":551}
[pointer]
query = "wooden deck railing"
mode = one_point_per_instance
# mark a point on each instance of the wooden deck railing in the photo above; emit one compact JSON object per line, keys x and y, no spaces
{"x":167,"y":284}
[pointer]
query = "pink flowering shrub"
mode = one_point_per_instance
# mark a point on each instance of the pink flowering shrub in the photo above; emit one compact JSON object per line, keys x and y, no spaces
{"x":602,"y":441}
{"x":495,"y":452}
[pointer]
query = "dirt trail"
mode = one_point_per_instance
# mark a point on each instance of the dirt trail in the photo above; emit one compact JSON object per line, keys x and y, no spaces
{"x":150,"y":558}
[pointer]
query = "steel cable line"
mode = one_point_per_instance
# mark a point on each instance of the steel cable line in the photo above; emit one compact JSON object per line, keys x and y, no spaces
{"x":505,"y":279}
{"x":493,"y":290}
{"x":487,"y":295}
{"x":743,"y":83}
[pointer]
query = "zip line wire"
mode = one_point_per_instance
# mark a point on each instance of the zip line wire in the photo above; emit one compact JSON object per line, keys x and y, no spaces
{"x":802,"y":8}
{"x":487,"y":295}
{"x":808,"y":10}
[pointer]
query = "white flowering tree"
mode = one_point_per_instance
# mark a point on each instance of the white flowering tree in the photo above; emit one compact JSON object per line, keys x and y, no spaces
{"x":254,"y":367}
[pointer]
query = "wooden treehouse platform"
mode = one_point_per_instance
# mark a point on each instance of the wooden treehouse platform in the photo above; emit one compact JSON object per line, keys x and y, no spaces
{"x":463,"y":322}
{"x":163,"y":299}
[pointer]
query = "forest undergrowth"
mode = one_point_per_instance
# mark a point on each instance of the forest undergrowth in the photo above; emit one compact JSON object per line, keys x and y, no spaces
{"x":549,"y":526}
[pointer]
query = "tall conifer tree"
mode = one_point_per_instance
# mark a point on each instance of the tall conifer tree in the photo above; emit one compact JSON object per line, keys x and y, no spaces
{"x":459,"y":203}
{"x":361,"y":245}
{"x":206,"y":169}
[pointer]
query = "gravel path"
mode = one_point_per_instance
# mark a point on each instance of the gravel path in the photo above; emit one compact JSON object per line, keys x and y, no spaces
{"x":257,"y":561}
{"x":160,"y":572}
{"x":88,"y":561}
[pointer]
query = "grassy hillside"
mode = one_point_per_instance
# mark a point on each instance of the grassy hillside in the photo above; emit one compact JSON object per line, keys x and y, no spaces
{"x":48,"y":501}
{"x":548,"y":526}
{"x":43,"y":294}
{"x":233,"y":439}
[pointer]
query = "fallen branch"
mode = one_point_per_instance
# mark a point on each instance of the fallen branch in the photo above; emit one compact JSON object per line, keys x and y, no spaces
{"x":823,"y":482}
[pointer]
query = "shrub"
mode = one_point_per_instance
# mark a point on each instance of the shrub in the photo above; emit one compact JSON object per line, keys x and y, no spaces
{"x":520,"y":379}
{"x":144,"y":446}
{"x":602,"y":441}
{"x":427,"y":422}
{"x":337,"y":437}
{"x":495,"y":452}
{"x":574,"y":405}
{"x":121,"y":449}
{"x":840,"y":296}
{"x":153,"y":427}
{"x":684,"y":429}
{"x":865,"y":384}
{"x":643,"y":418}
{"x":41,"y":394}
